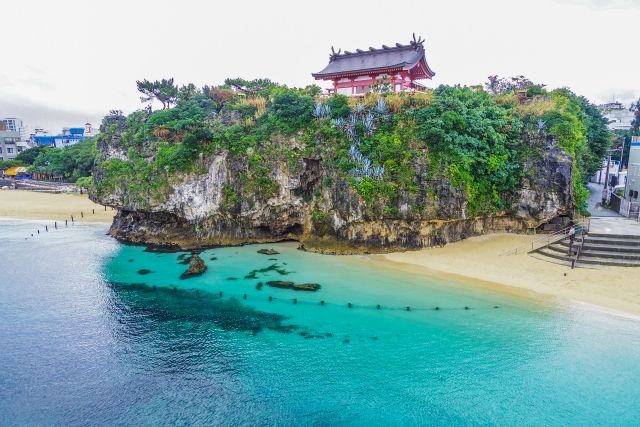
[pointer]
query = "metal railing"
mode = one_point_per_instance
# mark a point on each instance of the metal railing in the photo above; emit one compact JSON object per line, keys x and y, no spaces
{"x":575,"y":258}
{"x":548,"y":239}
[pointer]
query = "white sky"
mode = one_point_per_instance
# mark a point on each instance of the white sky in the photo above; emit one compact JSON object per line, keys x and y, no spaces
{"x":65,"y":62}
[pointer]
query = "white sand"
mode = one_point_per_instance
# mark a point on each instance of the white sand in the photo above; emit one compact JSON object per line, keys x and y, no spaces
{"x":47,"y":206}
{"x":478,"y":258}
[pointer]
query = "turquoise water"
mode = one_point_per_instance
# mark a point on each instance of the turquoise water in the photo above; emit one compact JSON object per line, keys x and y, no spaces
{"x":95,"y":332}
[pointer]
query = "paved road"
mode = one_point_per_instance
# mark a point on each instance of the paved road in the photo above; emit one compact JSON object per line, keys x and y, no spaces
{"x":593,"y":204}
{"x":615,"y":226}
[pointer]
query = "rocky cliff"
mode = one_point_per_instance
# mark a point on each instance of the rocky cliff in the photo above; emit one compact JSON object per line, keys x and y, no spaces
{"x":383,"y":173}
{"x":329,"y":218}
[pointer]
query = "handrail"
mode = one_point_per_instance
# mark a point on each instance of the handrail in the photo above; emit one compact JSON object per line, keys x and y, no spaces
{"x":547,"y":239}
{"x":577,"y":255}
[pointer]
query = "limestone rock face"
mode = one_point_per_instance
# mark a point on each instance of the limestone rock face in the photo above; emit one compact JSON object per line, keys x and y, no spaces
{"x":548,"y":192}
{"x":317,"y":207}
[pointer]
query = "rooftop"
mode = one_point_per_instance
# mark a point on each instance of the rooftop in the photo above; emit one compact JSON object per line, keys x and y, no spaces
{"x":384,"y":59}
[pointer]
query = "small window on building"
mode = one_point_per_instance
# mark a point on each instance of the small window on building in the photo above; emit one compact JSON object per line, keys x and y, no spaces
{"x":9,"y":150}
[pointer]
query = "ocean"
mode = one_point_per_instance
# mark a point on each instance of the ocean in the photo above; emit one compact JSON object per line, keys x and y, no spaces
{"x":95,"y":332}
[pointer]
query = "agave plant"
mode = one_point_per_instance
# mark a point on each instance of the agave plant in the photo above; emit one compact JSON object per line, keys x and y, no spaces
{"x":381,"y":107}
{"x":541,"y":125}
{"x":321,"y":110}
{"x":377,"y":172}
{"x":340,"y":122}
{"x":369,"y":124}
{"x":359,"y":108}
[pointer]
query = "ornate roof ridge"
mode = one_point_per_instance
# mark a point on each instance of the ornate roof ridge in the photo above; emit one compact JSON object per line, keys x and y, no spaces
{"x":415,"y":43}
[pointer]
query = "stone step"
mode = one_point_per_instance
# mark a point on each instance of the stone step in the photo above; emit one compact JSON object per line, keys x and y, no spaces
{"x":559,"y":256}
{"x":545,"y":258}
{"x":606,"y":254}
{"x":602,"y":246}
{"x":610,"y":241}
{"x":615,"y":236}
{"x":548,"y":252}
{"x":610,"y":261}
{"x":558,"y":248}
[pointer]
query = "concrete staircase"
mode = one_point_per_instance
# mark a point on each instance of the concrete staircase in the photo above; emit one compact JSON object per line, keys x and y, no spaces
{"x":597,"y":250}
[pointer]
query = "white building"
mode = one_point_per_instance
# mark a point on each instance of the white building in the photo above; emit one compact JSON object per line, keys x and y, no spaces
{"x":619,"y":117}
{"x":68,"y":136}
{"x":9,"y":144}
{"x":633,"y":174}
{"x":600,"y":176}
{"x":12,"y":140}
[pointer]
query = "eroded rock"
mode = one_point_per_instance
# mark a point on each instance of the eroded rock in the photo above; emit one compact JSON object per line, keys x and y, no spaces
{"x":282,"y":284}
{"x":269,"y":251}
{"x":196,"y":267}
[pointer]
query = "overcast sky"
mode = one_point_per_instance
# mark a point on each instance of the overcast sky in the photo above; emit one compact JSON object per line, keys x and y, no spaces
{"x":65,"y":62}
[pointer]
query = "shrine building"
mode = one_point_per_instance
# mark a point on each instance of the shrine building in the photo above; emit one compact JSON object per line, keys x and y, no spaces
{"x":399,"y":66}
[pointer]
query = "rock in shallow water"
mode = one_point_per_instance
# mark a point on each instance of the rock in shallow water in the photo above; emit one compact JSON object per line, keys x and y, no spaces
{"x":290,"y":285}
{"x":269,"y":251}
{"x":196,"y":267}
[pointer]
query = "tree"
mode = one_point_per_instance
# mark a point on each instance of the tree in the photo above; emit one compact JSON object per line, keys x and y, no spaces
{"x":218,"y":95}
{"x":6,"y":164}
{"x":162,"y":90}
{"x":251,"y":87}
{"x":29,"y":156}
{"x":71,"y":163}
{"x":292,"y":111}
{"x":188,"y":92}
{"x":635,"y":107}
{"x":497,"y":85}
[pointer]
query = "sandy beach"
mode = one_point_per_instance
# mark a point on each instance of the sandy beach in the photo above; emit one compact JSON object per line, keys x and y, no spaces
{"x":479,"y":258}
{"x":48,"y":206}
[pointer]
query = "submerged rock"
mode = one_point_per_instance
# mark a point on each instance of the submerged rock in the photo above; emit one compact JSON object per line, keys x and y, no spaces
{"x":144,"y":271}
{"x":196,"y":267}
{"x":269,"y":251}
{"x":282,"y":284}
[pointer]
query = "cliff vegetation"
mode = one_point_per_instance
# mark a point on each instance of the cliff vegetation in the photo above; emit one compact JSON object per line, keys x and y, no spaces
{"x":245,"y":152}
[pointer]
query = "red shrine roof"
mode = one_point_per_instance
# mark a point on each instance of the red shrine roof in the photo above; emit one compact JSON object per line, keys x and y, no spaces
{"x":385,"y":59}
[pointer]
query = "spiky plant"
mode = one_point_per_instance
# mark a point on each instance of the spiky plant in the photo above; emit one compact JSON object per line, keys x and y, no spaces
{"x":381,"y":107}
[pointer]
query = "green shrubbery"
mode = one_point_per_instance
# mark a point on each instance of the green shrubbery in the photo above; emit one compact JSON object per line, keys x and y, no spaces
{"x":69,"y":163}
{"x":385,"y":145}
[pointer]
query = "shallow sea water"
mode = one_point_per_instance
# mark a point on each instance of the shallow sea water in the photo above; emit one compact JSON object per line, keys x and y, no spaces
{"x":93,"y":332}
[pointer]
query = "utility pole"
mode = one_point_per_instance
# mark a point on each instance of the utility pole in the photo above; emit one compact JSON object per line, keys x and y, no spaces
{"x":621,"y":159}
{"x":606,"y":180}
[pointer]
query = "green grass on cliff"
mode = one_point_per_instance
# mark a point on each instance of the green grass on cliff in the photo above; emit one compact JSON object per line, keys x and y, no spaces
{"x":388,"y":147}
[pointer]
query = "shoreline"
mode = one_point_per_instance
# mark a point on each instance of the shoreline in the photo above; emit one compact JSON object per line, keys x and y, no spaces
{"x":477,"y":262}
{"x":31,"y":205}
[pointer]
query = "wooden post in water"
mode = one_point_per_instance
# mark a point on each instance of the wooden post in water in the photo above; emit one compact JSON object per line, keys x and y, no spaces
{"x":72,"y":218}
{"x":55,"y":224}
{"x":46,"y":228}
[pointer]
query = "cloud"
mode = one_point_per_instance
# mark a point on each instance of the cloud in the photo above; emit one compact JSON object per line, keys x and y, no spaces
{"x":604,"y":4}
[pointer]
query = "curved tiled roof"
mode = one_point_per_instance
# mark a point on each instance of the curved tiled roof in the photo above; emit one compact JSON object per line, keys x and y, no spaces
{"x":397,"y":57}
